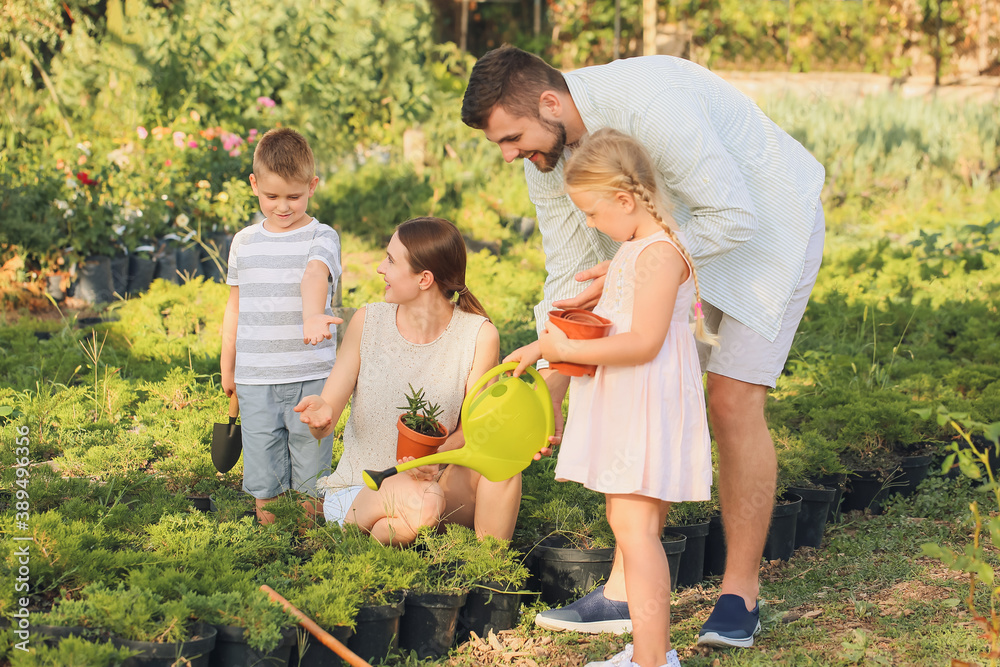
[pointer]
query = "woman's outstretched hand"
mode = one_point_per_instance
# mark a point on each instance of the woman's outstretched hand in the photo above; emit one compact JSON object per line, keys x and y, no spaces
{"x":589,"y":297}
{"x":421,"y":473}
{"x":317,"y":415}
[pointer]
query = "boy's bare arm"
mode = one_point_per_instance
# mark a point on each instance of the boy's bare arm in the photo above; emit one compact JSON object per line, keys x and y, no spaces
{"x":228,"y":356}
{"x":315,"y":322}
{"x":321,"y":413}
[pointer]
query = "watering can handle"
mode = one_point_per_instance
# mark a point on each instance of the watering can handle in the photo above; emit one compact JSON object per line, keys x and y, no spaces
{"x":540,"y":387}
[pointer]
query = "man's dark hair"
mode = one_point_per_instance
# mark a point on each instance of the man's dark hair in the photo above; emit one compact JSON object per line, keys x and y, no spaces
{"x":512,"y":78}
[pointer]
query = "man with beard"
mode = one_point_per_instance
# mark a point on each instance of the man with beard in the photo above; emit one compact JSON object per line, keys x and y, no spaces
{"x":747,"y":196}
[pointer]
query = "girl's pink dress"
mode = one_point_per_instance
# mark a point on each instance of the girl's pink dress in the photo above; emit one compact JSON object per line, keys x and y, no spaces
{"x":641,"y":429}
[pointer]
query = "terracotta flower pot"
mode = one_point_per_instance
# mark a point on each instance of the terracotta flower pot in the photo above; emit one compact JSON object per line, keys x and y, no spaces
{"x":417,"y":445}
{"x":578,"y":324}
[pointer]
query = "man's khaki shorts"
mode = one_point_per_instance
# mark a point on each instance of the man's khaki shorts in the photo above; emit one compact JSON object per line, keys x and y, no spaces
{"x":745,"y":355}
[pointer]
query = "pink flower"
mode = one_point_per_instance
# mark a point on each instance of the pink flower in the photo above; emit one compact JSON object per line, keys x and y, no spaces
{"x":168,"y":162}
{"x":231,"y":141}
{"x":265,"y":102}
{"x":235,"y":152}
{"x":179,"y":138}
{"x":252,"y":134}
{"x":192,"y":144}
{"x":141,"y":131}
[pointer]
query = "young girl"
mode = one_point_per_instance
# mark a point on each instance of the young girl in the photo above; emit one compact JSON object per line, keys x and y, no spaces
{"x":431,"y":333}
{"x":637,"y":430}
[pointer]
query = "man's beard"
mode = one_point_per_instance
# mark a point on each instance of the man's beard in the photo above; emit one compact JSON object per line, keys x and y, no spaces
{"x":551,"y":157}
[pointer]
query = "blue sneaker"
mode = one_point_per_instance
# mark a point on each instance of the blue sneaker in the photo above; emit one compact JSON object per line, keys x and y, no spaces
{"x":593,"y":613}
{"x":730,"y":624}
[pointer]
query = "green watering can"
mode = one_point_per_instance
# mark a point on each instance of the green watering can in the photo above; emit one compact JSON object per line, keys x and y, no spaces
{"x":504,"y":426}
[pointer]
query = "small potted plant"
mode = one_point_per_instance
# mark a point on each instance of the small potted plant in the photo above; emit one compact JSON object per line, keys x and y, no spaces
{"x":691,"y":519}
{"x":439,"y":591}
{"x":575,"y":548}
{"x":420,"y":432}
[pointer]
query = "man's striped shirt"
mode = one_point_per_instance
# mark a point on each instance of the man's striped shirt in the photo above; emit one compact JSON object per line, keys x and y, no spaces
{"x":744,"y":191}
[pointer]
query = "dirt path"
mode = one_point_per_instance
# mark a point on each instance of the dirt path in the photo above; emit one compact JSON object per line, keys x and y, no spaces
{"x":845,"y":85}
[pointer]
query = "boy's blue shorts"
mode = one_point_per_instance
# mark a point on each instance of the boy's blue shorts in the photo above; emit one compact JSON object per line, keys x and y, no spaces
{"x":279,"y":453}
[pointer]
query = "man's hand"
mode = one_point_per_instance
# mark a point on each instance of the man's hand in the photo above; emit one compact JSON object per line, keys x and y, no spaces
{"x":557,"y":383}
{"x":316,"y":328}
{"x":524,"y":356}
{"x":317,"y":415}
{"x":589,"y":297}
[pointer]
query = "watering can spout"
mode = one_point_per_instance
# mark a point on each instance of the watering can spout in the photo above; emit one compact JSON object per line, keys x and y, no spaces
{"x":505,"y":425}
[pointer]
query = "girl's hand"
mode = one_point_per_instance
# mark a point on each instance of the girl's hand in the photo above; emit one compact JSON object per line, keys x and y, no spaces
{"x":554,"y":440}
{"x":317,"y":415}
{"x":524,"y":356}
{"x":553,"y":343}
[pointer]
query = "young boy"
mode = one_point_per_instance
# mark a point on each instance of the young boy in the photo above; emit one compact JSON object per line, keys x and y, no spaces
{"x":277,"y":343}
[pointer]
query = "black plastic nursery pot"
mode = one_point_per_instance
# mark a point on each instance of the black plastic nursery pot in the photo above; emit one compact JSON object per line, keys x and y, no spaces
{"x":140,"y":274}
{"x":780,"y":544}
{"x":312,"y":653}
{"x":376,"y":631}
{"x":119,"y":274}
{"x":53,"y":634}
{"x":200,"y":502}
{"x":214,"y":268}
{"x":189,"y":262}
{"x":837,"y":482}
{"x":674,"y":545}
{"x":94,"y":283}
{"x":166,"y":267}
{"x":715,"y":547}
{"x":53,"y":287}
{"x":913,"y":470}
{"x":430,"y":622}
{"x":810,"y":524}
{"x":232,"y":650}
{"x":488,"y":607}
{"x":691,"y":570}
{"x":565,"y":573}
{"x":195,"y":651}
{"x":868,"y":489}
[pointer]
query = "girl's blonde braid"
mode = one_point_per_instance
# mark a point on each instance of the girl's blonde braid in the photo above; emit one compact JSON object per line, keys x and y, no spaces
{"x":642,"y":193}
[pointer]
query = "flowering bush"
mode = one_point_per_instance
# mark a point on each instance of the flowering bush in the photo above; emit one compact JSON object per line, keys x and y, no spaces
{"x":101,"y":197}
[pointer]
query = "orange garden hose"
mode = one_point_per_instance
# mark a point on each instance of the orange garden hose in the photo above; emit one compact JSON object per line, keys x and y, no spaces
{"x":319,"y":633}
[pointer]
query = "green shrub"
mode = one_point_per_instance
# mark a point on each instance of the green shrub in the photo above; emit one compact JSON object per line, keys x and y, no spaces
{"x":130,"y":613}
{"x":379,"y":573}
{"x":65,"y":554}
{"x":73,"y":652}
{"x":183,"y":536}
{"x":472,"y":560}
{"x":261,"y":619}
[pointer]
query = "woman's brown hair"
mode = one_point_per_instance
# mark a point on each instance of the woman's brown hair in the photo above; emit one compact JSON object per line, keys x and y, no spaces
{"x":436,"y":245}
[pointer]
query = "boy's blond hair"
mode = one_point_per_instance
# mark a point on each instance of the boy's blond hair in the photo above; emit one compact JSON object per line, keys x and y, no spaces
{"x":609,"y":161}
{"x":285,"y":153}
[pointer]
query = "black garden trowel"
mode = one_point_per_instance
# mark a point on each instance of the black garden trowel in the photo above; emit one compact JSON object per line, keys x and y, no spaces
{"x":227,"y":439}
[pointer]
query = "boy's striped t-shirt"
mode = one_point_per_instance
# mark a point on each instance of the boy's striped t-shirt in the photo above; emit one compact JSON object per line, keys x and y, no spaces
{"x":268,"y":268}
